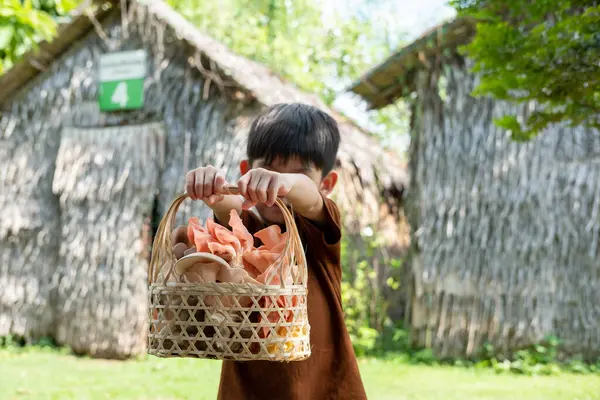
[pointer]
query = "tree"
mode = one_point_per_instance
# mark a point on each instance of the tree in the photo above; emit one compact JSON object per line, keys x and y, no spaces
{"x":23,"y":24}
{"x":542,"y":51}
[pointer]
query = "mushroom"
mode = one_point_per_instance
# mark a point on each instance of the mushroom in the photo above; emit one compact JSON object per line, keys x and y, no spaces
{"x":179,"y":250}
{"x":206,"y":265}
{"x":180,"y":235}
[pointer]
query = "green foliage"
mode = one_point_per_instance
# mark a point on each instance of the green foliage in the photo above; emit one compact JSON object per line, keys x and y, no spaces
{"x":365,"y":305}
{"x":23,"y":24}
{"x":542,"y":51}
{"x":424,"y":356}
{"x":538,"y":359}
{"x":15,"y":344}
{"x":10,"y":342}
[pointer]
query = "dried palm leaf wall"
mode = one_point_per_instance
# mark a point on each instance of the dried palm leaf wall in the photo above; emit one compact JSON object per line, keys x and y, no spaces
{"x":29,"y":220}
{"x":506,"y":235}
{"x":106,"y":180}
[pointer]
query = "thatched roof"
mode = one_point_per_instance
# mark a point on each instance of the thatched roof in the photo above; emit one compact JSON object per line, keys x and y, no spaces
{"x":394,"y":78}
{"x":227,"y":68}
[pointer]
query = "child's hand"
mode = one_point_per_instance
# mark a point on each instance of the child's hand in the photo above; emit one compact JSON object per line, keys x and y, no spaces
{"x":206,"y":183}
{"x":263,"y":186}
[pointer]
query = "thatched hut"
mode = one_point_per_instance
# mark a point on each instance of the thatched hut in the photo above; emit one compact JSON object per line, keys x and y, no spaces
{"x":78,"y":185}
{"x":506,"y":236}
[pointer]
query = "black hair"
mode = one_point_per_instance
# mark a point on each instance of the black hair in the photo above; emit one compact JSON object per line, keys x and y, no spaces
{"x":294,"y":130}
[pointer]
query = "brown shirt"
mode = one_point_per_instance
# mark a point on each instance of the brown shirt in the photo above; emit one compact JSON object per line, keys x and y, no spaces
{"x":331,"y":372}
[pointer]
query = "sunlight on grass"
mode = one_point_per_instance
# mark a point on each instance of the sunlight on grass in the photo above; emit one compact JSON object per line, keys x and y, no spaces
{"x":36,"y":374}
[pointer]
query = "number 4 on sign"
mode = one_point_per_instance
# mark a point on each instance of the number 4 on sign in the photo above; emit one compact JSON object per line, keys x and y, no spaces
{"x":120,"y":94}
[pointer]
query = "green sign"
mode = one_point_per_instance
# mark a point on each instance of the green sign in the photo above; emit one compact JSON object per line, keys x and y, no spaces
{"x":122,"y":80}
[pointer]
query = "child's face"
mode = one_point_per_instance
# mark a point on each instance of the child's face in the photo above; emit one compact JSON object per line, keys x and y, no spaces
{"x":291,"y":166}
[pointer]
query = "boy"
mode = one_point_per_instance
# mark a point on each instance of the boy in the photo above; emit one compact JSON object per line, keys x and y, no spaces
{"x":291,"y":153}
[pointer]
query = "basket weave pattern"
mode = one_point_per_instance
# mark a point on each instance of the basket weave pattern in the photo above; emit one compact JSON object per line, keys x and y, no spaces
{"x":228,"y":320}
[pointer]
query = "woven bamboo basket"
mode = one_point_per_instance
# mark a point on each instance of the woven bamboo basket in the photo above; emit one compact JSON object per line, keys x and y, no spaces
{"x":227,"y":320}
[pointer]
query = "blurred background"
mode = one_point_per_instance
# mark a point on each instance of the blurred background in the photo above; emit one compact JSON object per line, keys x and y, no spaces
{"x":469,"y":183}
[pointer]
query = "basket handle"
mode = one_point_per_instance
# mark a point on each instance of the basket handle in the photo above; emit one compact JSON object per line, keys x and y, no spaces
{"x":162,"y":248}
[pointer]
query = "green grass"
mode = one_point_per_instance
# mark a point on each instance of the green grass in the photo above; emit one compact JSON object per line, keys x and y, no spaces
{"x":49,"y":375}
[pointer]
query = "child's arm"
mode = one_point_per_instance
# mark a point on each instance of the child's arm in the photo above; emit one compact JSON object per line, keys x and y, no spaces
{"x":208,"y":184}
{"x":263,"y":186}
